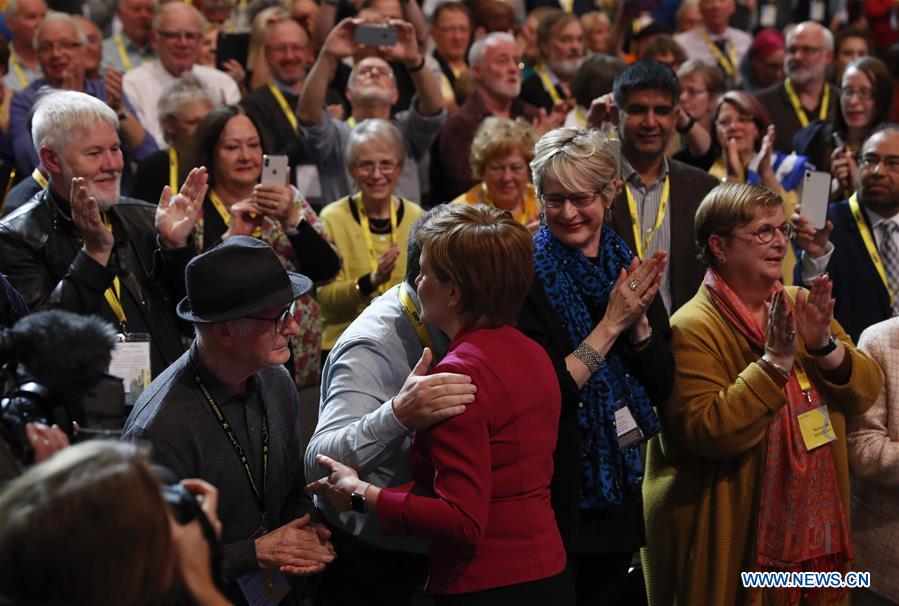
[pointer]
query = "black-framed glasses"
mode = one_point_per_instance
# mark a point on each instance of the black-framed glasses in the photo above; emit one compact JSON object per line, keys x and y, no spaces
{"x":577,"y":200}
{"x":765,"y":233}
{"x":281,"y":319}
{"x":870,"y":162}
{"x":368,"y":167}
{"x":863,"y":94}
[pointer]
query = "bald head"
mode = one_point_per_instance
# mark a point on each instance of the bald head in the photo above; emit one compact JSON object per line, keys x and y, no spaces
{"x":809,"y":51}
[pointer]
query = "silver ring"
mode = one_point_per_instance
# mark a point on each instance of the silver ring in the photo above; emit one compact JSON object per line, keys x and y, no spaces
{"x":643,"y":305}
{"x":633,"y":285}
{"x":791,"y":335}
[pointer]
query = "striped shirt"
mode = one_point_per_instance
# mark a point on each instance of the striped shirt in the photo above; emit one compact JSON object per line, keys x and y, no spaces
{"x":648,"y":200}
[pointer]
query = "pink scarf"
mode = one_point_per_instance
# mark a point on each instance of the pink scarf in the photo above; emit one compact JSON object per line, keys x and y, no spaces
{"x":801,"y":524}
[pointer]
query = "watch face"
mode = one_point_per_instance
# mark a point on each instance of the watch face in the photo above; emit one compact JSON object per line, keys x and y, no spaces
{"x":357,"y":503}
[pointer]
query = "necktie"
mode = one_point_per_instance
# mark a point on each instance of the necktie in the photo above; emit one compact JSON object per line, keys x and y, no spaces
{"x":889,"y":252}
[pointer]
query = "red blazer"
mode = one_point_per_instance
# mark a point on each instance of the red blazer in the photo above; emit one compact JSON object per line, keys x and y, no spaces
{"x":490,"y":470}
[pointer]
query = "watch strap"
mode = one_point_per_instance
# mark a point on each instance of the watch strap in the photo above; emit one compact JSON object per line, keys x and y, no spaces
{"x":826,"y":350}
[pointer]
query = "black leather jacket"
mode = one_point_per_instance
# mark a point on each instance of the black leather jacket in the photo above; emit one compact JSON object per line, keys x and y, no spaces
{"x":41,"y":254}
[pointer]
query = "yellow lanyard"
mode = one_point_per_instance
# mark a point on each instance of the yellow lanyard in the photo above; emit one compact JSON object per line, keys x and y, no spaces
{"x":113,"y":295}
{"x":351,"y":121}
{"x":522,"y":216}
{"x":797,"y":106}
{"x":173,"y":170}
{"x":366,"y":233}
{"x":581,"y":118}
{"x":17,"y":68}
{"x":126,"y":62}
{"x":38,"y":176}
{"x":567,"y":5}
{"x":548,"y":85}
{"x":804,"y":384}
{"x":414,"y":317}
{"x":727,"y":63}
{"x":225,"y":215}
{"x":279,"y":97}
{"x":870,"y":243}
{"x":642,"y":242}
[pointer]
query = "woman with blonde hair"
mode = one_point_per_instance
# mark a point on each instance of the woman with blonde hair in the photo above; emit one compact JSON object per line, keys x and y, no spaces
{"x":499,"y":158}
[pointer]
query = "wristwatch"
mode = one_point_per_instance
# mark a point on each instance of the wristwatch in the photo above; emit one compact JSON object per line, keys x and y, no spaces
{"x":827,"y":349}
{"x":357,"y":499}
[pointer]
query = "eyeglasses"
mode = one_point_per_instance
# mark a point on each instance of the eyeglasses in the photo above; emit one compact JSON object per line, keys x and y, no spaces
{"x":765,"y":233}
{"x":368,"y":168}
{"x":280,"y":49}
{"x":741,"y":119}
{"x":870,"y":162}
{"x":281,"y":320}
{"x":579,"y":200}
{"x":374,"y":71}
{"x":63,"y":45}
{"x":805,"y":50}
{"x":175,"y":36}
{"x":863,"y":94}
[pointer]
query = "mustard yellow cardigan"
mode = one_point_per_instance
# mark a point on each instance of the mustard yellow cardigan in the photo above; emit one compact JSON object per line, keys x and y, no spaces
{"x":703,"y":471}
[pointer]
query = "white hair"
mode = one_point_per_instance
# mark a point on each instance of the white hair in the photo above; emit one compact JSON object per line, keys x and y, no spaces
{"x":479,"y":48}
{"x":58,"y":17}
{"x":185,"y":89}
{"x":371,"y":130}
{"x":57,"y":115}
{"x":828,"y":36}
{"x":169,"y":7}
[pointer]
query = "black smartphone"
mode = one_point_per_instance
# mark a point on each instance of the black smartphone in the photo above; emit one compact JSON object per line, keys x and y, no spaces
{"x":375,"y":35}
{"x":232,"y":46}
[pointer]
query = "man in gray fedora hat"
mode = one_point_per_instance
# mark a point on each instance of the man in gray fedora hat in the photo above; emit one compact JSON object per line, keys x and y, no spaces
{"x":227,"y":412}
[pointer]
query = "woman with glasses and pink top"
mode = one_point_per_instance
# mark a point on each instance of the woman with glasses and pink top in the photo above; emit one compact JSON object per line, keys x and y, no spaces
{"x":370,"y":228}
{"x":593,"y":308}
{"x":750,"y":471}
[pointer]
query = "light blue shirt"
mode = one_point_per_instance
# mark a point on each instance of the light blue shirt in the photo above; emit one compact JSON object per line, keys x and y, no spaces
{"x":356,"y":424}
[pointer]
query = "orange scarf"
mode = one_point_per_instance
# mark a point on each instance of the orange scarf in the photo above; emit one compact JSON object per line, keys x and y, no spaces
{"x":801,"y":525}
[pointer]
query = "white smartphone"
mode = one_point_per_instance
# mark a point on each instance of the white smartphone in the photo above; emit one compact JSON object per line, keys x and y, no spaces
{"x":274,"y":170}
{"x":815,"y":196}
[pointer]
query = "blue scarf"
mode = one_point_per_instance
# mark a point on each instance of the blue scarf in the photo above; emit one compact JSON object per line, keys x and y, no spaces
{"x":571,"y":281}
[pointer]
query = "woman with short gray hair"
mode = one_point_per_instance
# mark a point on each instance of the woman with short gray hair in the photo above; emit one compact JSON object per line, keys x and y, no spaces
{"x":593,"y":308}
{"x":182,"y":105}
{"x":369,"y":228}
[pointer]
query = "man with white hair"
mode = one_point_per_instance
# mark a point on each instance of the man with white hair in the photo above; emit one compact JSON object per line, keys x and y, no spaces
{"x":493,"y":61}
{"x":805,"y":95}
{"x":372,"y":93}
{"x":23,"y":17}
{"x":80,"y":246}
{"x":60,"y":42}
{"x":177,"y":38}
{"x":560,"y":41}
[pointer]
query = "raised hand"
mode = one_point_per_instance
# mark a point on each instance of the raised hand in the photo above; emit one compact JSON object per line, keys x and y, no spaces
{"x":780,"y":333}
{"x":339,"y":43}
{"x":634,"y":290}
{"x":814,"y":312}
{"x":602,"y":110}
{"x":176,"y":215}
{"x":812,"y":241}
{"x":245,"y":218}
{"x":112,"y":84}
{"x":844,"y":170}
{"x":98,"y":240}
{"x":406,"y":47}
{"x":276,"y":201}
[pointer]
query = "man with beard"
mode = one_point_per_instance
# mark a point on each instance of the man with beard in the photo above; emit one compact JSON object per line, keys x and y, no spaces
{"x":81,"y":247}
{"x":714,"y":42}
{"x":805,"y":95}
{"x":60,"y":42}
{"x":372,"y":92}
{"x":493,"y":61}
{"x":560,"y":40}
{"x":861,"y":253}
{"x":659,"y":198}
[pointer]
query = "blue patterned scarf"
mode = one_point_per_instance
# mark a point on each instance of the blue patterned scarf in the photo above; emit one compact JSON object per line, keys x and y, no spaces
{"x":571,"y":281}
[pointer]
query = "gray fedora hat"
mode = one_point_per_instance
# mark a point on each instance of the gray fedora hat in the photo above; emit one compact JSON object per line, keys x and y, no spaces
{"x":239,"y":277}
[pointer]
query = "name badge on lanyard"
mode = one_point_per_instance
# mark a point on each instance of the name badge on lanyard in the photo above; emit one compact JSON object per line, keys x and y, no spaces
{"x":131,"y":363}
{"x":768,"y":15}
{"x":817,"y":10}
{"x":816,"y":428}
{"x":626,"y":428}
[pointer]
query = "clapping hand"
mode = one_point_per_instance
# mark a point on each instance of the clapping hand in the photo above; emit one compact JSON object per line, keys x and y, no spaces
{"x":98,"y":240}
{"x":814,"y":312}
{"x":176,"y":215}
{"x":386,"y":265}
{"x":245,"y":218}
{"x":780,"y":333}
{"x":634,"y":291}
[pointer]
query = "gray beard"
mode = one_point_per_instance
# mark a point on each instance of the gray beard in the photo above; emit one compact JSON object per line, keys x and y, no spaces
{"x":103,"y":203}
{"x":566,"y":68}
